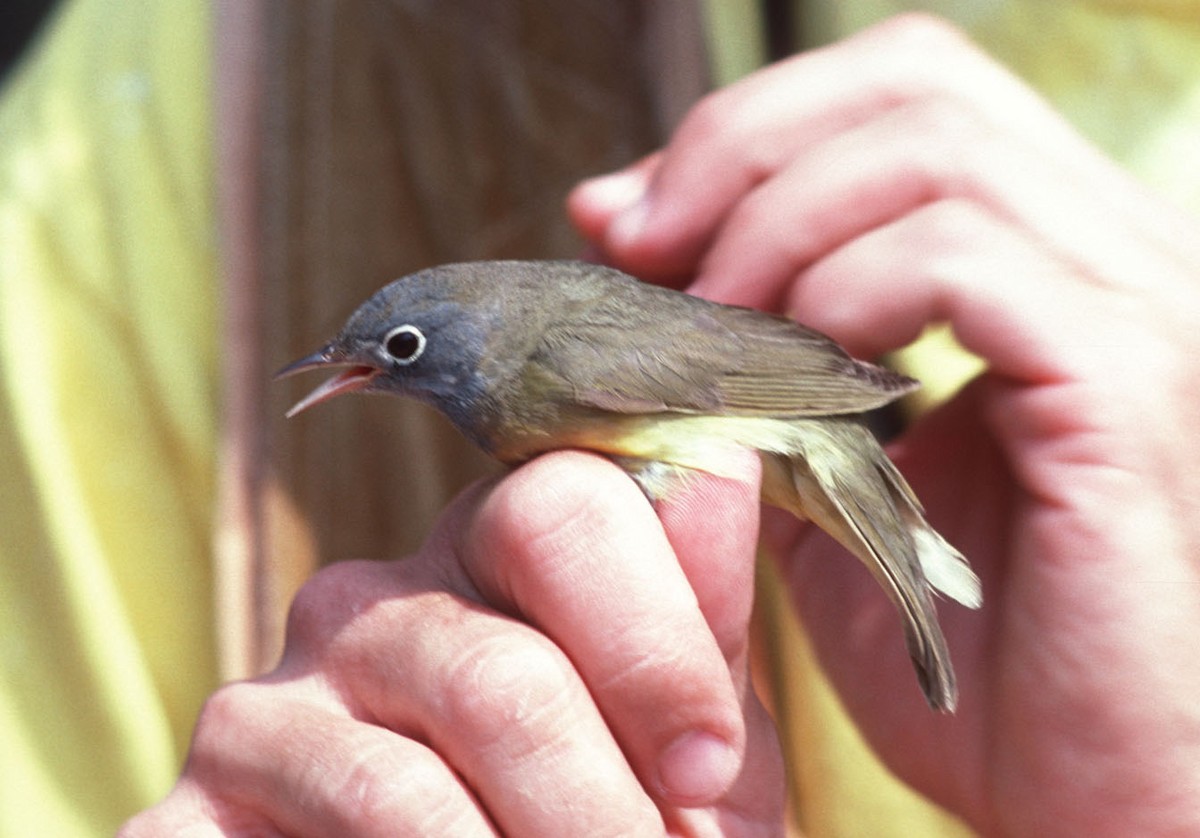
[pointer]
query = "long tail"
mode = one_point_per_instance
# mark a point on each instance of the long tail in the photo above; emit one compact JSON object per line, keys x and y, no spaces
{"x":866,"y":504}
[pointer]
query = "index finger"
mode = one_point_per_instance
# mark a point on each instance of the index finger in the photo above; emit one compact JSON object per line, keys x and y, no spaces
{"x":569,"y":544}
{"x":739,"y":136}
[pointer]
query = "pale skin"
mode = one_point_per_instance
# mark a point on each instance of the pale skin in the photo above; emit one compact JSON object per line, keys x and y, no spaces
{"x":527,"y":672}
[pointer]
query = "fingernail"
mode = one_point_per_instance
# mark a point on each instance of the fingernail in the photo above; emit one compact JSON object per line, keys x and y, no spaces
{"x":616,"y":192}
{"x":628,"y":225}
{"x":697,"y":768}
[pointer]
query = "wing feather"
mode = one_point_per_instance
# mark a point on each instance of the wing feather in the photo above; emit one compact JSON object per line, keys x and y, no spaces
{"x":644,"y":349}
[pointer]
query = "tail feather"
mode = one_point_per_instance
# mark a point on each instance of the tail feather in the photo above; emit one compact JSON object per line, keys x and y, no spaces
{"x":866,"y":504}
{"x":830,"y":470}
{"x":946,"y":569}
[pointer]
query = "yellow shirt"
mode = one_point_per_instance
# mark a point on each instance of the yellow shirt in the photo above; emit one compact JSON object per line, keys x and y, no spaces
{"x":107,"y":413}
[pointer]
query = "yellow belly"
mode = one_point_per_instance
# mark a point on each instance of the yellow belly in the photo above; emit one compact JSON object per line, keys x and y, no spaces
{"x":701,"y":443}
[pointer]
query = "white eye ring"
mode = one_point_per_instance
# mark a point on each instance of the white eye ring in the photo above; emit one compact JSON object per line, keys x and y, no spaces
{"x":404,"y":344}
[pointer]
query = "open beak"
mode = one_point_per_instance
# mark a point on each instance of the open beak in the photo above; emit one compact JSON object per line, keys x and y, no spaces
{"x":353,"y":377}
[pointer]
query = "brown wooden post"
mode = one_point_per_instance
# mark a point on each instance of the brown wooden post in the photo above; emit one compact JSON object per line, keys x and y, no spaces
{"x":361,"y":140}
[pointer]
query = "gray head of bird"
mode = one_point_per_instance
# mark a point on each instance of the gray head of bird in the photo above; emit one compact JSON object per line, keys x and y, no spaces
{"x":425,"y":336}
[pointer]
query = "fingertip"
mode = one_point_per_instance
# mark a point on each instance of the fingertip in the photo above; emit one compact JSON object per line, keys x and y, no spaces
{"x":656,"y":242}
{"x":599,"y":200}
{"x":627,"y":229}
{"x":644,"y":239}
{"x":622,"y":216}
{"x":698,"y":768}
{"x":595,"y":203}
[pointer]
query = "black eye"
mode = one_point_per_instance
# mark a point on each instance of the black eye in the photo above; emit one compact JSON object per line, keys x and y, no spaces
{"x":404,"y":344}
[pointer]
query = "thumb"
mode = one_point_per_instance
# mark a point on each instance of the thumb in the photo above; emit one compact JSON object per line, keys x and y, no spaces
{"x":595,"y":205}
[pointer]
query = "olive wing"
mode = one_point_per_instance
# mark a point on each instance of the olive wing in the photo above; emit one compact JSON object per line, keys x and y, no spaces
{"x":663,"y":351}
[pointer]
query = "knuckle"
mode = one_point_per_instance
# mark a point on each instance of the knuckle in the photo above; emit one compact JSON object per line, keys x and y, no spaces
{"x":756,"y":219}
{"x":728,"y":124}
{"x":507,"y":686}
{"x":946,"y":120}
{"x":188,"y":812}
{"x":949,"y":149}
{"x":225,"y":716}
{"x":911,"y":53}
{"x":327,"y":601}
{"x":559,"y":503}
{"x":227,"y":706}
{"x":152,"y":822}
{"x":923,"y":34}
{"x":692,"y":681}
{"x":948,"y":227}
{"x":673,"y":667}
{"x":383,"y":787}
{"x":708,"y":119}
{"x":405,"y":791}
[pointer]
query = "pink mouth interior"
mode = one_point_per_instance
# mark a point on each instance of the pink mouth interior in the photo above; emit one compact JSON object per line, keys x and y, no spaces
{"x":347,"y":381}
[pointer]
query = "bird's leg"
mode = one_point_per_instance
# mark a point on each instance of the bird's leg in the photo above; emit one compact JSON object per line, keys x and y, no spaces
{"x":655,"y":479}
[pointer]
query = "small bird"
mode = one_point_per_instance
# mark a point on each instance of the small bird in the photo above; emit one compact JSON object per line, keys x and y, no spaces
{"x":526,"y":357}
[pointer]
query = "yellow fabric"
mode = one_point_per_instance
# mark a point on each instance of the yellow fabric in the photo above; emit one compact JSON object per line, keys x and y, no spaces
{"x":736,"y":47}
{"x":1126,"y":73}
{"x":107,"y":405}
{"x":837,"y":787}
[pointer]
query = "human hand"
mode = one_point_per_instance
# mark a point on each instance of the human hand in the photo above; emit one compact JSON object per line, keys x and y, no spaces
{"x":898,"y":179}
{"x":555,"y":661}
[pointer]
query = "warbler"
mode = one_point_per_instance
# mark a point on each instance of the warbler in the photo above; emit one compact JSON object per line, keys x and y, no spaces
{"x":526,"y":357}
